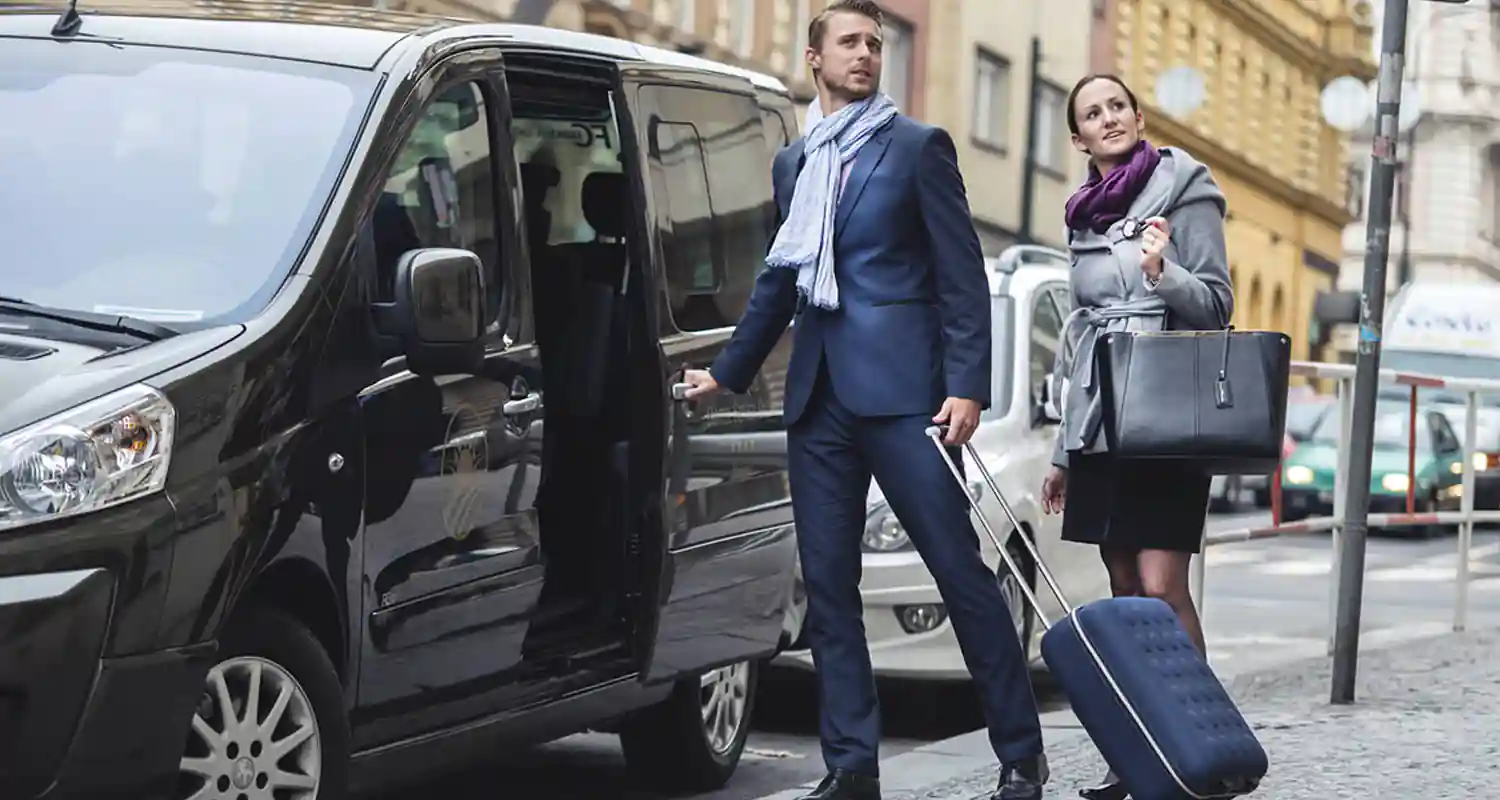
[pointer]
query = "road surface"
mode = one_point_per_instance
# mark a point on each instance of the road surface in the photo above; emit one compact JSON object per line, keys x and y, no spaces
{"x":1266,"y":604}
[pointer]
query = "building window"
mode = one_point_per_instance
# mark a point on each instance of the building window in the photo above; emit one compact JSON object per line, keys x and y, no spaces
{"x":1354,"y":196}
{"x":800,"y":22}
{"x":742,"y":28}
{"x":898,"y":58}
{"x":991,"y":99}
{"x":1051,"y":128}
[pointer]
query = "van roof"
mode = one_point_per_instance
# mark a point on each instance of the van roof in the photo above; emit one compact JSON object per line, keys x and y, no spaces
{"x":329,"y":33}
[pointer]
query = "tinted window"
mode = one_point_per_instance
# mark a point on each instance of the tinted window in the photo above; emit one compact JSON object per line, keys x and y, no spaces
{"x":1443,"y":436}
{"x":693,"y":261}
{"x":1046,"y":336}
{"x":560,"y":141}
{"x":1002,"y":349}
{"x":1392,"y":428}
{"x":773,"y":127}
{"x":712,"y":184}
{"x":173,"y":185}
{"x":1301,"y":417}
{"x":441,"y":190}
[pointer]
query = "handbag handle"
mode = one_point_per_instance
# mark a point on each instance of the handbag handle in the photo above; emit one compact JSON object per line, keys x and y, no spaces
{"x":1223,"y":392}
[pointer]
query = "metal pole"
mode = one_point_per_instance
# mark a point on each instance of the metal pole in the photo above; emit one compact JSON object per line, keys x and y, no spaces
{"x":1033,"y":113}
{"x":1340,"y":480}
{"x":1367,"y":359}
{"x":1466,"y":528}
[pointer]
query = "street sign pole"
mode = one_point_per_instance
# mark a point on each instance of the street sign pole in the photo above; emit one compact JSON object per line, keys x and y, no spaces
{"x":1383,"y":160}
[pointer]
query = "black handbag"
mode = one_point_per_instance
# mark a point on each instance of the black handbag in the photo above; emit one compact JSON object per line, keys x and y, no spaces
{"x":1215,"y":399}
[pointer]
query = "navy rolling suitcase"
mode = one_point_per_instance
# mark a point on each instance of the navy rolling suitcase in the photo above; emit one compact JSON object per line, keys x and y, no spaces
{"x":1160,"y":717}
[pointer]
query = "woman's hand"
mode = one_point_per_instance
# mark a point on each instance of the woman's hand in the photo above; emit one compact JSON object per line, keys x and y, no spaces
{"x":1153,"y":243}
{"x":1054,"y":490}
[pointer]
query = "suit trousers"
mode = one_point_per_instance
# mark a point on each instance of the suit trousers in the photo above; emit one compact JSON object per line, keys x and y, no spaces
{"x":833,"y":454}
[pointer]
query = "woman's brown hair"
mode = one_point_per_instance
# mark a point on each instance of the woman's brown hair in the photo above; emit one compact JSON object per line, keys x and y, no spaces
{"x":1085,"y":81}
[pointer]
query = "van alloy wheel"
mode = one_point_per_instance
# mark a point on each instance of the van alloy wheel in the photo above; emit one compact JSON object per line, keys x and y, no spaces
{"x":725,"y":693}
{"x":255,"y":736}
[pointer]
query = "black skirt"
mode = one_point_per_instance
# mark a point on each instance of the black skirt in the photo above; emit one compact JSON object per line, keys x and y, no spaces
{"x":1140,"y":506}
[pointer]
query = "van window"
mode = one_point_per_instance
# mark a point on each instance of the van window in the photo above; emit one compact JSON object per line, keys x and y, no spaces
{"x":175,"y":185}
{"x":441,"y":190}
{"x":774,"y":129}
{"x":561,"y":140}
{"x":1046,"y":337}
{"x":711,"y":179}
{"x":693,"y":265}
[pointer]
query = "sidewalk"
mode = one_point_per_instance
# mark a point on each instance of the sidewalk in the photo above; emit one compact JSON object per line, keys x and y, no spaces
{"x":1425,"y":723}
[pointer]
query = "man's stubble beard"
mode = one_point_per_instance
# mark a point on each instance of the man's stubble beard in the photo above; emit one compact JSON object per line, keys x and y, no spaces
{"x":844,"y":92}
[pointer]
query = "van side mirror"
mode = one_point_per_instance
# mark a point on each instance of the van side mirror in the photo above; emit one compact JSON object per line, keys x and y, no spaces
{"x":1048,"y":408}
{"x":438,"y":315}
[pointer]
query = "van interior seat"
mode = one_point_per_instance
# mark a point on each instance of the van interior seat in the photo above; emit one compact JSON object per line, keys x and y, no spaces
{"x":595,"y":272}
{"x":585,"y":358}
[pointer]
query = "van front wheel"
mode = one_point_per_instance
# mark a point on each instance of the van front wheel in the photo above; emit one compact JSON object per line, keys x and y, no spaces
{"x":693,"y":740}
{"x":271,"y":720}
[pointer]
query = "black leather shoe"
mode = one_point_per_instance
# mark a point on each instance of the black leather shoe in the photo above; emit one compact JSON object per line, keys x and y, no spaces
{"x":1022,"y":780}
{"x":844,"y":785}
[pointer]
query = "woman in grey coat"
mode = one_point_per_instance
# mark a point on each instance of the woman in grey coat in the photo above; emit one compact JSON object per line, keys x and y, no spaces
{"x":1146,"y":235}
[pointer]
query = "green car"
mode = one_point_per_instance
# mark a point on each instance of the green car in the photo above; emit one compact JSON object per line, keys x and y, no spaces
{"x":1307,"y":476}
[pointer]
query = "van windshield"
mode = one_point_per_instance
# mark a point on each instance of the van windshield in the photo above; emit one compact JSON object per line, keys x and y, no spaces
{"x":170,"y":185}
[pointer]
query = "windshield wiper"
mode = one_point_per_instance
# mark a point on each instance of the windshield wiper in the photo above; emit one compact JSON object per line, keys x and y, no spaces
{"x":109,"y":323}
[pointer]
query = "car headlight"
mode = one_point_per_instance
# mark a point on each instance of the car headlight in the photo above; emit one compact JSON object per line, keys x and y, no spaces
{"x":1298,"y":474}
{"x":99,"y":454}
{"x":885,"y":534}
{"x":1394,"y":482}
{"x":1481,"y":462}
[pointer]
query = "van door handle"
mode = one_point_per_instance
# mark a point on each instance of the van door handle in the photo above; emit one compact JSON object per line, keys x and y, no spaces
{"x":522,"y":405}
{"x":680,"y":390}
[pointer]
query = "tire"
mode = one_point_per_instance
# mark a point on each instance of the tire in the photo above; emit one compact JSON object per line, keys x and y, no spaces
{"x":1023,"y":619}
{"x":669,"y":745}
{"x":271,"y":648}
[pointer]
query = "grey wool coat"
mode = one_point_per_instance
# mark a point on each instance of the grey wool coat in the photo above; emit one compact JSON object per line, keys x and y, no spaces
{"x":1110,"y":292}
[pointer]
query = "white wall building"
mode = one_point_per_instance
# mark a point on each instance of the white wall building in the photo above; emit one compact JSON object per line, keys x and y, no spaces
{"x":1451,"y":156}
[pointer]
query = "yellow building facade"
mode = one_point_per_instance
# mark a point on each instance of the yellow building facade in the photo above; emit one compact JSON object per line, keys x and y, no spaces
{"x":1259,"y":129}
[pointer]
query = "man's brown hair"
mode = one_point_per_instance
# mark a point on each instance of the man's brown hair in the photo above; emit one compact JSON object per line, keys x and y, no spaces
{"x":819,"y":24}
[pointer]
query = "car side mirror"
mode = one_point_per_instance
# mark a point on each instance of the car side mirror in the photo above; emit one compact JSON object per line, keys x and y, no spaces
{"x":438,"y":315}
{"x":1048,"y":407}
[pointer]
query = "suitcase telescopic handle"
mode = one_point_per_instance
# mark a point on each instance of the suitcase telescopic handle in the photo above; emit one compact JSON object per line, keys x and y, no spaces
{"x":936,"y":434}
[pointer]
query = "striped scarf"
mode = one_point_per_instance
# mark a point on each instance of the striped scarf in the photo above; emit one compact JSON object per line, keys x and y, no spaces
{"x":805,"y":240}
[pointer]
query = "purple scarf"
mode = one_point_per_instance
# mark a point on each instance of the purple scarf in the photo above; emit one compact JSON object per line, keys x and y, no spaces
{"x":1102,"y":201}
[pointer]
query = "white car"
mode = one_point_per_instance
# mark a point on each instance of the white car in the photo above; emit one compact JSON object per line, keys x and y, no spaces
{"x":906,"y":622}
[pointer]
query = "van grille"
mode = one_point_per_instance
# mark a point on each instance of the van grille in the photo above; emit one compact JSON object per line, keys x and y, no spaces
{"x":21,"y":352}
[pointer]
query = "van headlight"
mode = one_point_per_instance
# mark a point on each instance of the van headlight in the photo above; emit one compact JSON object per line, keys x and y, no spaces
{"x":99,"y":454}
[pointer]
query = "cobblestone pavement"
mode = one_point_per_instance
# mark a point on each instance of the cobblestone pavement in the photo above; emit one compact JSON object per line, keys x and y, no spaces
{"x":1425,"y":724}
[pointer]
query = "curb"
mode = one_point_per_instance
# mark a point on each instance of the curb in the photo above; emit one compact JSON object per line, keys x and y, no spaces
{"x":915,"y":773}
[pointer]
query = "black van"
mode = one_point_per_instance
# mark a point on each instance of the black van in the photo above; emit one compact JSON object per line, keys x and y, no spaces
{"x":338,"y":438}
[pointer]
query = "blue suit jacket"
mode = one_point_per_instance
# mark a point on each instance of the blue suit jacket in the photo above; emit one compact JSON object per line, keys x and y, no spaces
{"x":913,"y":323}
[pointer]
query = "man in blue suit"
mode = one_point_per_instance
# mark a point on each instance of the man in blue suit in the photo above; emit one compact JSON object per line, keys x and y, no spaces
{"x":876,"y":257}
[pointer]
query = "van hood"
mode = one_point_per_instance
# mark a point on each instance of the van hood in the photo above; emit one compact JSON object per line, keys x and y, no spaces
{"x":41,"y":377}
